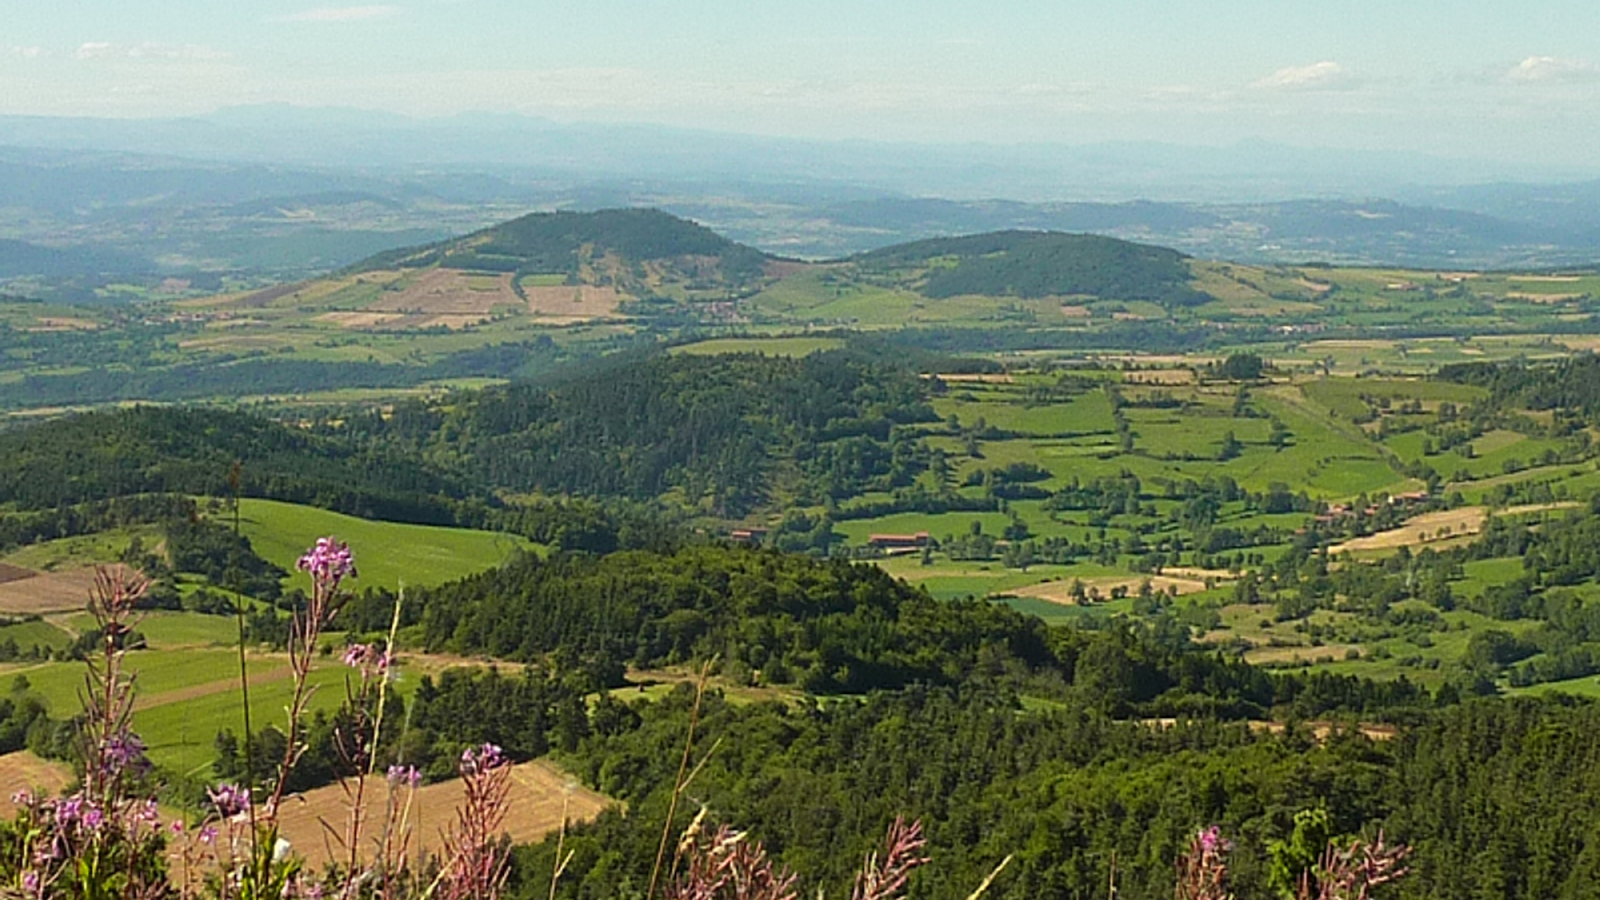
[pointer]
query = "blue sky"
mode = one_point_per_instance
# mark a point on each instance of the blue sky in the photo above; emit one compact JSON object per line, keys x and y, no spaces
{"x":1497,"y":80}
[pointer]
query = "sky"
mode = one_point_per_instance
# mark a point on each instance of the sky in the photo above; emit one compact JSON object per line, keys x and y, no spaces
{"x":1512,"y":82}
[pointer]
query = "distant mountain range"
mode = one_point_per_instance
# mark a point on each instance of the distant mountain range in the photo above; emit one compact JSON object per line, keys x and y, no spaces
{"x":286,"y":193}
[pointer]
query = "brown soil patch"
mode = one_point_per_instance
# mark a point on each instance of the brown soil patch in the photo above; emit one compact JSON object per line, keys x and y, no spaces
{"x":574,"y":301}
{"x":1420,"y":530}
{"x":1061,"y":591}
{"x":47,"y":592}
{"x":22,"y":771}
{"x":449,"y":292}
{"x":1076,"y":312}
{"x":541,"y":795}
{"x":14,"y":573}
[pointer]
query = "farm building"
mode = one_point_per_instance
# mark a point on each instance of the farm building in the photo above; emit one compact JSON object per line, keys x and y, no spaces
{"x":898,"y":541}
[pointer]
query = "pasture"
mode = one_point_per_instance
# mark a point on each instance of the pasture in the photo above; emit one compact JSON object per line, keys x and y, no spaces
{"x":387,"y":554}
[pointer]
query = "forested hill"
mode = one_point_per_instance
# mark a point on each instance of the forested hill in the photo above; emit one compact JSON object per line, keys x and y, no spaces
{"x":729,"y":433}
{"x":628,"y":248}
{"x":97,"y":456}
{"x":1032,"y":264}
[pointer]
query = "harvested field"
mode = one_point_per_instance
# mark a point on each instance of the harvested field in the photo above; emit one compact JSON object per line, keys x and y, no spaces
{"x":1431,"y":527}
{"x":1061,"y":591}
{"x":46,"y":592}
{"x":22,"y":771}
{"x":540,"y":795}
{"x":1421,"y":529}
{"x":1075,"y":312}
{"x":1297,"y":655}
{"x":573,"y":302}
{"x":448,"y":292}
{"x":360,"y":319}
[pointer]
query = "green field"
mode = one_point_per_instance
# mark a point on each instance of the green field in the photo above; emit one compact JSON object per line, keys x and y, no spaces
{"x":387,"y":554}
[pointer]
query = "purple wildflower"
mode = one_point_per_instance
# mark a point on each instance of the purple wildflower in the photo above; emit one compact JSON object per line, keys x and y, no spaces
{"x":357,"y":655}
{"x":93,"y":818}
{"x":149,"y":814}
{"x":230,"y":800}
{"x":31,"y":881}
{"x":475,"y":761}
{"x":329,"y":562}
{"x":125,"y":752}
{"x":404,"y":775}
{"x":22,"y":798}
{"x":176,"y":826}
{"x":208,"y":834}
{"x":68,"y":809}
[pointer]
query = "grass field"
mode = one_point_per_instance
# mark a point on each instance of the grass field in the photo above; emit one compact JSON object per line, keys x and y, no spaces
{"x":387,"y":554}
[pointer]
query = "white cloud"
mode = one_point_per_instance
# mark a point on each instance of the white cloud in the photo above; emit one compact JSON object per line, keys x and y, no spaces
{"x":341,"y":14}
{"x":27,"y":52}
{"x":149,"y":50}
{"x":93,"y":50}
{"x":1316,"y":76}
{"x":1550,"y":68}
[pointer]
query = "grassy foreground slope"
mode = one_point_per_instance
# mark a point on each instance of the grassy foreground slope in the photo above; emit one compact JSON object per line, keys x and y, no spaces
{"x":390,"y":553}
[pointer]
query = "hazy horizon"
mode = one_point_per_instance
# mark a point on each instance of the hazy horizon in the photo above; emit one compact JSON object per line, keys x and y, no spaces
{"x":1479,"y":81}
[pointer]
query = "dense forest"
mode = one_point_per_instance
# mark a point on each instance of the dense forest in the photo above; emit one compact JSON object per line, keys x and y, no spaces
{"x":1044,"y":264}
{"x":725,"y":432}
{"x":1494,"y":795}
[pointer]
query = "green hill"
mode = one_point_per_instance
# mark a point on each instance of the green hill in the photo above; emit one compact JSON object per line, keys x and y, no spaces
{"x":638,"y":251}
{"x":1035,"y":264}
